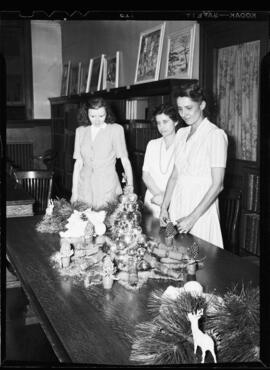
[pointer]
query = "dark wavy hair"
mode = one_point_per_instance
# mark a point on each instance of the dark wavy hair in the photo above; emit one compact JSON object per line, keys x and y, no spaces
{"x":193,"y":91}
{"x":170,"y":111}
{"x":95,"y":103}
{"x":190,"y":90}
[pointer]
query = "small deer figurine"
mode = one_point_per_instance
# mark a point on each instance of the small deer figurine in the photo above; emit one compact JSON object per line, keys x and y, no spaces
{"x":200,"y":339}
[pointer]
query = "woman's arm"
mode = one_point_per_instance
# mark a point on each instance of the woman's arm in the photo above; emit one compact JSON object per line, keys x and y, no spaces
{"x":164,"y":216}
{"x":151,"y":184}
{"x":128,"y":170}
{"x":184,"y":224}
{"x":75,"y":179}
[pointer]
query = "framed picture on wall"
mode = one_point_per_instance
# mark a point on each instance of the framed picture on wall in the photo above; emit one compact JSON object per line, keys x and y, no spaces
{"x":149,"y":54}
{"x":95,"y":73}
{"x":65,"y":78}
{"x":180,"y":51}
{"x":111,"y":71}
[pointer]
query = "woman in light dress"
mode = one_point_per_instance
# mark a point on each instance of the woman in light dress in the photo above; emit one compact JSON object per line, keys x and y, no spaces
{"x":159,"y":157}
{"x":191,"y":197}
{"x":98,"y":142}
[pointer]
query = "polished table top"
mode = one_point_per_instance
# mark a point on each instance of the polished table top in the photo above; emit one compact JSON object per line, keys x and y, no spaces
{"x":91,"y":325}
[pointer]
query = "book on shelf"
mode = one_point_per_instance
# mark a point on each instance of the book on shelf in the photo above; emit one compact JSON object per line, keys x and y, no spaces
{"x":143,"y":107}
{"x":258,"y":250}
{"x":254,"y":233}
{"x":247,"y":226}
{"x":136,"y":108}
{"x":250,"y":189}
{"x":251,"y":232}
{"x":256,"y":197}
{"x":253,"y":193}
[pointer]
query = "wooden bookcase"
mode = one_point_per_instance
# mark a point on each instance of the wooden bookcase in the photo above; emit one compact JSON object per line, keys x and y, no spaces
{"x":245,"y":176}
{"x":250,"y":241}
{"x":136,"y":123}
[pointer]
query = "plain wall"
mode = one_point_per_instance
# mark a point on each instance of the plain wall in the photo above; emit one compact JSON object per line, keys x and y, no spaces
{"x":46,"y":64}
{"x":82,"y":40}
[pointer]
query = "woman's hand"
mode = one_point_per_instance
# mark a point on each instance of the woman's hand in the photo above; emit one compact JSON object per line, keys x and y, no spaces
{"x":73,"y":198}
{"x":163,"y":217}
{"x":185,"y":224}
{"x":128,"y":189}
{"x":157,"y":199}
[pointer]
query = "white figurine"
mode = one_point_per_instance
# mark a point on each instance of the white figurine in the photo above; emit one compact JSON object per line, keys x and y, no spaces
{"x":49,"y":209}
{"x":200,"y":339}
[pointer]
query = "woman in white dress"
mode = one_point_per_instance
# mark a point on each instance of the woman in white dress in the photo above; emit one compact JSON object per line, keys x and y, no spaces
{"x":159,"y":157}
{"x":191,"y":197}
{"x":98,"y":143}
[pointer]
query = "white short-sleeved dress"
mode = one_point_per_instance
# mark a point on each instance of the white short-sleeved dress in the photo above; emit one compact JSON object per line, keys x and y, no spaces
{"x":98,"y":181}
{"x":194,"y":158}
{"x":159,"y":162}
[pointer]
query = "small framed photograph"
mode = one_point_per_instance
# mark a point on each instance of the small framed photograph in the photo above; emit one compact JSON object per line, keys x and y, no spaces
{"x":179,"y":62}
{"x":65,"y":78}
{"x":95,"y":73}
{"x":111,"y":71}
{"x":74,"y":79}
{"x":149,"y":54}
{"x":89,"y":75}
{"x":83,"y":77}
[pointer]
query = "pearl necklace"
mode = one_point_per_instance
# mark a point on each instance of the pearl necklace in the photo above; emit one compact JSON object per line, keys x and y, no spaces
{"x":169,"y":161}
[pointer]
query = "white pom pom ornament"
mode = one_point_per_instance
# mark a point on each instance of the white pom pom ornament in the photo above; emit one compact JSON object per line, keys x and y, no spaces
{"x":193,"y":287}
{"x":100,"y":229}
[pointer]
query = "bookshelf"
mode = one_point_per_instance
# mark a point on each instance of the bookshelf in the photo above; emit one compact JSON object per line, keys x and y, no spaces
{"x":132,"y":106}
{"x":250,"y":242}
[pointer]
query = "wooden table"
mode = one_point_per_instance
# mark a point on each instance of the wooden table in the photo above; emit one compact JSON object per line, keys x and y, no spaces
{"x":91,"y":325}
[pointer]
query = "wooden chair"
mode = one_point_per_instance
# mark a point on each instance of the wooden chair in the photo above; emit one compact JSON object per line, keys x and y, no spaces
{"x":39,"y":185}
{"x":230,"y":207}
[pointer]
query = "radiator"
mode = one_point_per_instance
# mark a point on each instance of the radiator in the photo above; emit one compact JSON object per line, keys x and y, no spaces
{"x":20,"y":155}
